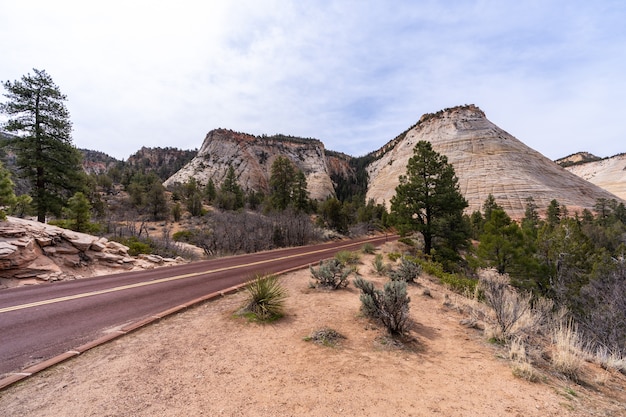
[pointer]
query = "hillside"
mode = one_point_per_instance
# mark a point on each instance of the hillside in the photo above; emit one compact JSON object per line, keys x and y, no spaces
{"x":487,"y":160}
{"x":608,"y":173}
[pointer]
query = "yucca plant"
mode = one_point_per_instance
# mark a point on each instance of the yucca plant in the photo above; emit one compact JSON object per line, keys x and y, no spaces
{"x":266,"y":298}
{"x":380,"y":267}
{"x":368,"y":249}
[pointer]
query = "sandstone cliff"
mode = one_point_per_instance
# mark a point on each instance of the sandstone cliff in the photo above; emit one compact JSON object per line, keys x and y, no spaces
{"x":487,"y":160}
{"x":608,"y":173}
{"x":252,"y":158}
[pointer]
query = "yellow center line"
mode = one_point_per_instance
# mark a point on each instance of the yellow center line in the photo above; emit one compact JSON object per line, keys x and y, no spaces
{"x":157,"y":281}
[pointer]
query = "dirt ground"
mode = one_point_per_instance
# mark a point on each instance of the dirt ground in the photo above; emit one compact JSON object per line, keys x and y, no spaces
{"x":208,"y":362}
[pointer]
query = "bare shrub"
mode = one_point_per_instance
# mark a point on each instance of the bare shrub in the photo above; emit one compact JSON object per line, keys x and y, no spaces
{"x":390,"y":306}
{"x":508,"y":305}
{"x":331,"y":274}
{"x":325,"y":337}
{"x":610,"y":359}
{"x":246,"y":232}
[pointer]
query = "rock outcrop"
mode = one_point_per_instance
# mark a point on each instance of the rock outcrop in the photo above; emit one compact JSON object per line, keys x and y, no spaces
{"x":32,"y":252}
{"x":487,"y":160}
{"x":608,"y":173}
{"x":252,"y":158}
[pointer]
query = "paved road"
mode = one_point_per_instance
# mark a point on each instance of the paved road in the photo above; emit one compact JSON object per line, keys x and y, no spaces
{"x":42,"y":321}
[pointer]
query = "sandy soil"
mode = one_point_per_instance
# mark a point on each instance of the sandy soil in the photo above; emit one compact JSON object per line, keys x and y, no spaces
{"x":206,"y":361}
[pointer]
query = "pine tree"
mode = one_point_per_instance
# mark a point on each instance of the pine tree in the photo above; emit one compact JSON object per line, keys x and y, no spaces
{"x":428,"y":199}
{"x":7,"y":197}
{"x":300,"y":194}
{"x":45,"y":154}
{"x":79,"y":210}
{"x":281,"y":183}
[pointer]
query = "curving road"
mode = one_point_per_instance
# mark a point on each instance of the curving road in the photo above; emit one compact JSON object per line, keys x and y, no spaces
{"x":43,"y":321}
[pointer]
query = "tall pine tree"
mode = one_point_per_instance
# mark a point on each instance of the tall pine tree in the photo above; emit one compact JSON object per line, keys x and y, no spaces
{"x":428,"y":200}
{"x":46,"y":156}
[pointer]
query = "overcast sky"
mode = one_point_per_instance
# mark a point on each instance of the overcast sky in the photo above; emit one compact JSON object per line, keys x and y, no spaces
{"x":353,"y":74}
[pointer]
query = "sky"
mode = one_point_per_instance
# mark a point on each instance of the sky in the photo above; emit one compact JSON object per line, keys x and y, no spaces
{"x":353,"y":74}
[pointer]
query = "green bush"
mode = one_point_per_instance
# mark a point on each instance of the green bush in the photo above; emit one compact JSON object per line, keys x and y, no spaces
{"x":348,"y":258}
{"x":407,"y":241}
{"x":390,"y":306}
{"x":408,"y":271}
{"x":266,"y":298}
{"x":394,"y":256}
{"x":136,"y":246}
{"x":456,"y":282}
{"x":331,"y":274}
{"x":182,"y":236}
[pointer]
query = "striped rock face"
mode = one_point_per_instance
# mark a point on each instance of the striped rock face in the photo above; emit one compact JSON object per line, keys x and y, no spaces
{"x":252,"y":158}
{"x":487,"y":160}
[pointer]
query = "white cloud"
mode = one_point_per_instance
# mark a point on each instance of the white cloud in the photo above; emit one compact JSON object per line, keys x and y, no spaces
{"x":353,"y":74}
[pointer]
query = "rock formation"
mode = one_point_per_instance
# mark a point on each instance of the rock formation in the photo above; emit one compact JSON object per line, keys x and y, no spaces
{"x":487,"y":160}
{"x":608,"y":173}
{"x":32,"y":252}
{"x":252,"y":158}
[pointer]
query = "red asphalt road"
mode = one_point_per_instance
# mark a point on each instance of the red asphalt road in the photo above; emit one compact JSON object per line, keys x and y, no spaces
{"x":42,"y":321}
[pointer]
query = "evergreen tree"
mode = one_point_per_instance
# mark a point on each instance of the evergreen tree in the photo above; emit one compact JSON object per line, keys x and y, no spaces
{"x":300,"y":200}
{"x":7,"y":197}
{"x":428,"y":199}
{"x":45,"y":154}
{"x":231,"y":195}
{"x":554,"y":213}
{"x":210,"y":191}
{"x":79,"y":211}
{"x":281,"y":183}
{"x":501,"y":243}
{"x":489,"y":205}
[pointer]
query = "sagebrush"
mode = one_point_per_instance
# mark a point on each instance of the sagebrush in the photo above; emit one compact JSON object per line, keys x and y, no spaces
{"x":331,"y":274}
{"x":390,"y":306}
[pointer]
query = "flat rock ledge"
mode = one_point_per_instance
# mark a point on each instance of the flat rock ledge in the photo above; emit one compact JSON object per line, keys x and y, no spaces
{"x":33,"y":253}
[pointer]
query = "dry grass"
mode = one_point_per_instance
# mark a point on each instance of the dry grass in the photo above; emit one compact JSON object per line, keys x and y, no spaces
{"x":568,"y":354}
